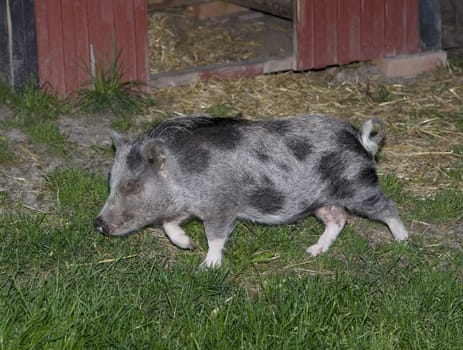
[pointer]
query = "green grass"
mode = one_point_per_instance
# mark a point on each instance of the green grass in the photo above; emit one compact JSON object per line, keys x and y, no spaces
{"x":7,"y":156}
{"x":64,"y":286}
{"x":33,"y":101}
{"x":446,"y":206}
{"x":46,"y":133}
{"x":34,"y":112}
{"x":107,"y":92}
{"x":5,"y":92}
{"x":221,"y":110}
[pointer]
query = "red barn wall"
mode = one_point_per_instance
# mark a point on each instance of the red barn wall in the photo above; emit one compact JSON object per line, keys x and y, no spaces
{"x":69,"y":30}
{"x":330,"y":32}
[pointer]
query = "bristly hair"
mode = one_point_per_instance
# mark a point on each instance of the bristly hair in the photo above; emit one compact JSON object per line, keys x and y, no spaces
{"x":172,"y":128}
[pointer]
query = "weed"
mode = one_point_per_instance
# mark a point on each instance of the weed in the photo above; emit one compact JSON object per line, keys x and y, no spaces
{"x":121,"y":124}
{"x":36,"y":102}
{"x":457,"y":63}
{"x":379,"y":94}
{"x":106,"y":91}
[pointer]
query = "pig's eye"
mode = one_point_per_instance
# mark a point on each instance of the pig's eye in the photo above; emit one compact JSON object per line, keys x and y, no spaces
{"x":130,"y":186}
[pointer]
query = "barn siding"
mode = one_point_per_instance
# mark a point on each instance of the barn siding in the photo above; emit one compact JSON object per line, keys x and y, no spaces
{"x":70,"y":33}
{"x":330,"y":32}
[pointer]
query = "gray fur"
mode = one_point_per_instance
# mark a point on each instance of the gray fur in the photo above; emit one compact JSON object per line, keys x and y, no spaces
{"x":271,"y":172}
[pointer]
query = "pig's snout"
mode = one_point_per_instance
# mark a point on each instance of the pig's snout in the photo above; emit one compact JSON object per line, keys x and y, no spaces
{"x":101,"y":226}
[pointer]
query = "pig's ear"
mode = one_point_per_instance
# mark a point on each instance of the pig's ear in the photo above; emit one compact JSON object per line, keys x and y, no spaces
{"x":118,"y":139}
{"x":153,"y":153}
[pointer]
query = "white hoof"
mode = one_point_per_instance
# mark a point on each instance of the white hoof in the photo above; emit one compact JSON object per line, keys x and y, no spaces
{"x":316,"y":249}
{"x":210,"y":263}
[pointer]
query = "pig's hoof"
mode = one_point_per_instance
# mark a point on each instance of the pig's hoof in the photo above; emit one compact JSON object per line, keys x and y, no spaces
{"x":316,"y":249}
{"x":208,"y":264}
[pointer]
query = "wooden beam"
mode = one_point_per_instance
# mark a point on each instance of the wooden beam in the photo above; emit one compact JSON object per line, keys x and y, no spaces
{"x":281,"y":8}
{"x":156,"y":5}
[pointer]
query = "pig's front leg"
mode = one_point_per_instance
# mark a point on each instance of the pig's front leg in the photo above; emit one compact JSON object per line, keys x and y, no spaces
{"x":217,"y":233}
{"x":177,"y":235}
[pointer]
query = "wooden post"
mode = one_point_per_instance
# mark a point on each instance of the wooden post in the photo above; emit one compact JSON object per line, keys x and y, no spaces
{"x":430,"y":25}
{"x":18,"y":47}
{"x":281,"y":8}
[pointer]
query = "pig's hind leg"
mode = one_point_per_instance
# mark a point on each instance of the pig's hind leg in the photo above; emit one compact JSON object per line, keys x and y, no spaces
{"x":334,"y":219}
{"x":379,"y":207}
{"x":177,"y":235}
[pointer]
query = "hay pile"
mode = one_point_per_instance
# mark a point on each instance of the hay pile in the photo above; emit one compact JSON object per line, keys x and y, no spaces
{"x":178,"y":41}
{"x":424,"y":117}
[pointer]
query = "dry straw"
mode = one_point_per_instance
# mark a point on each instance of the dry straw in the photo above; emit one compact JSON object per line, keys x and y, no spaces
{"x":178,"y":41}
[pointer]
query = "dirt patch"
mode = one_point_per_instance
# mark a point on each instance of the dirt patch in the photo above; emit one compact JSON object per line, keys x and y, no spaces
{"x":23,"y":181}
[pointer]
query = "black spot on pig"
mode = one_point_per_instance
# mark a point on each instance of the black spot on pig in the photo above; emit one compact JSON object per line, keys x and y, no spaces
{"x":222,"y":133}
{"x":373,"y":200}
{"x":266,"y":199}
{"x":331,"y":168}
{"x":348,"y":139}
{"x":367,"y":176}
{"x":299,"y":147}
{"x":342,"y":189}
{"x":194,"y":160}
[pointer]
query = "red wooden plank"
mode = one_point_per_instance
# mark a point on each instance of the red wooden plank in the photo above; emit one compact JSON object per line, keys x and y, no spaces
{"x":303,"y":34}
{"x":106,"y":26}
{"x":395,"y":28}
{"x":349,"y":31}
{"x":372,"y":28}
{"x":124,"y":28}
{"x":71,"y":67}
{"x":141,"y":30}
{"x":412,"y":26}
{"x":82,"y":40}
{"x":43,"y":43}
{"x":100,"y":24}
{"x":325,"y":38}
{"x":55,"y":36}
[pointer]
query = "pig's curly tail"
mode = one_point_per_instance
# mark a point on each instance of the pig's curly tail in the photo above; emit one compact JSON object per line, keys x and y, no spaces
{"x":371,"y":136}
